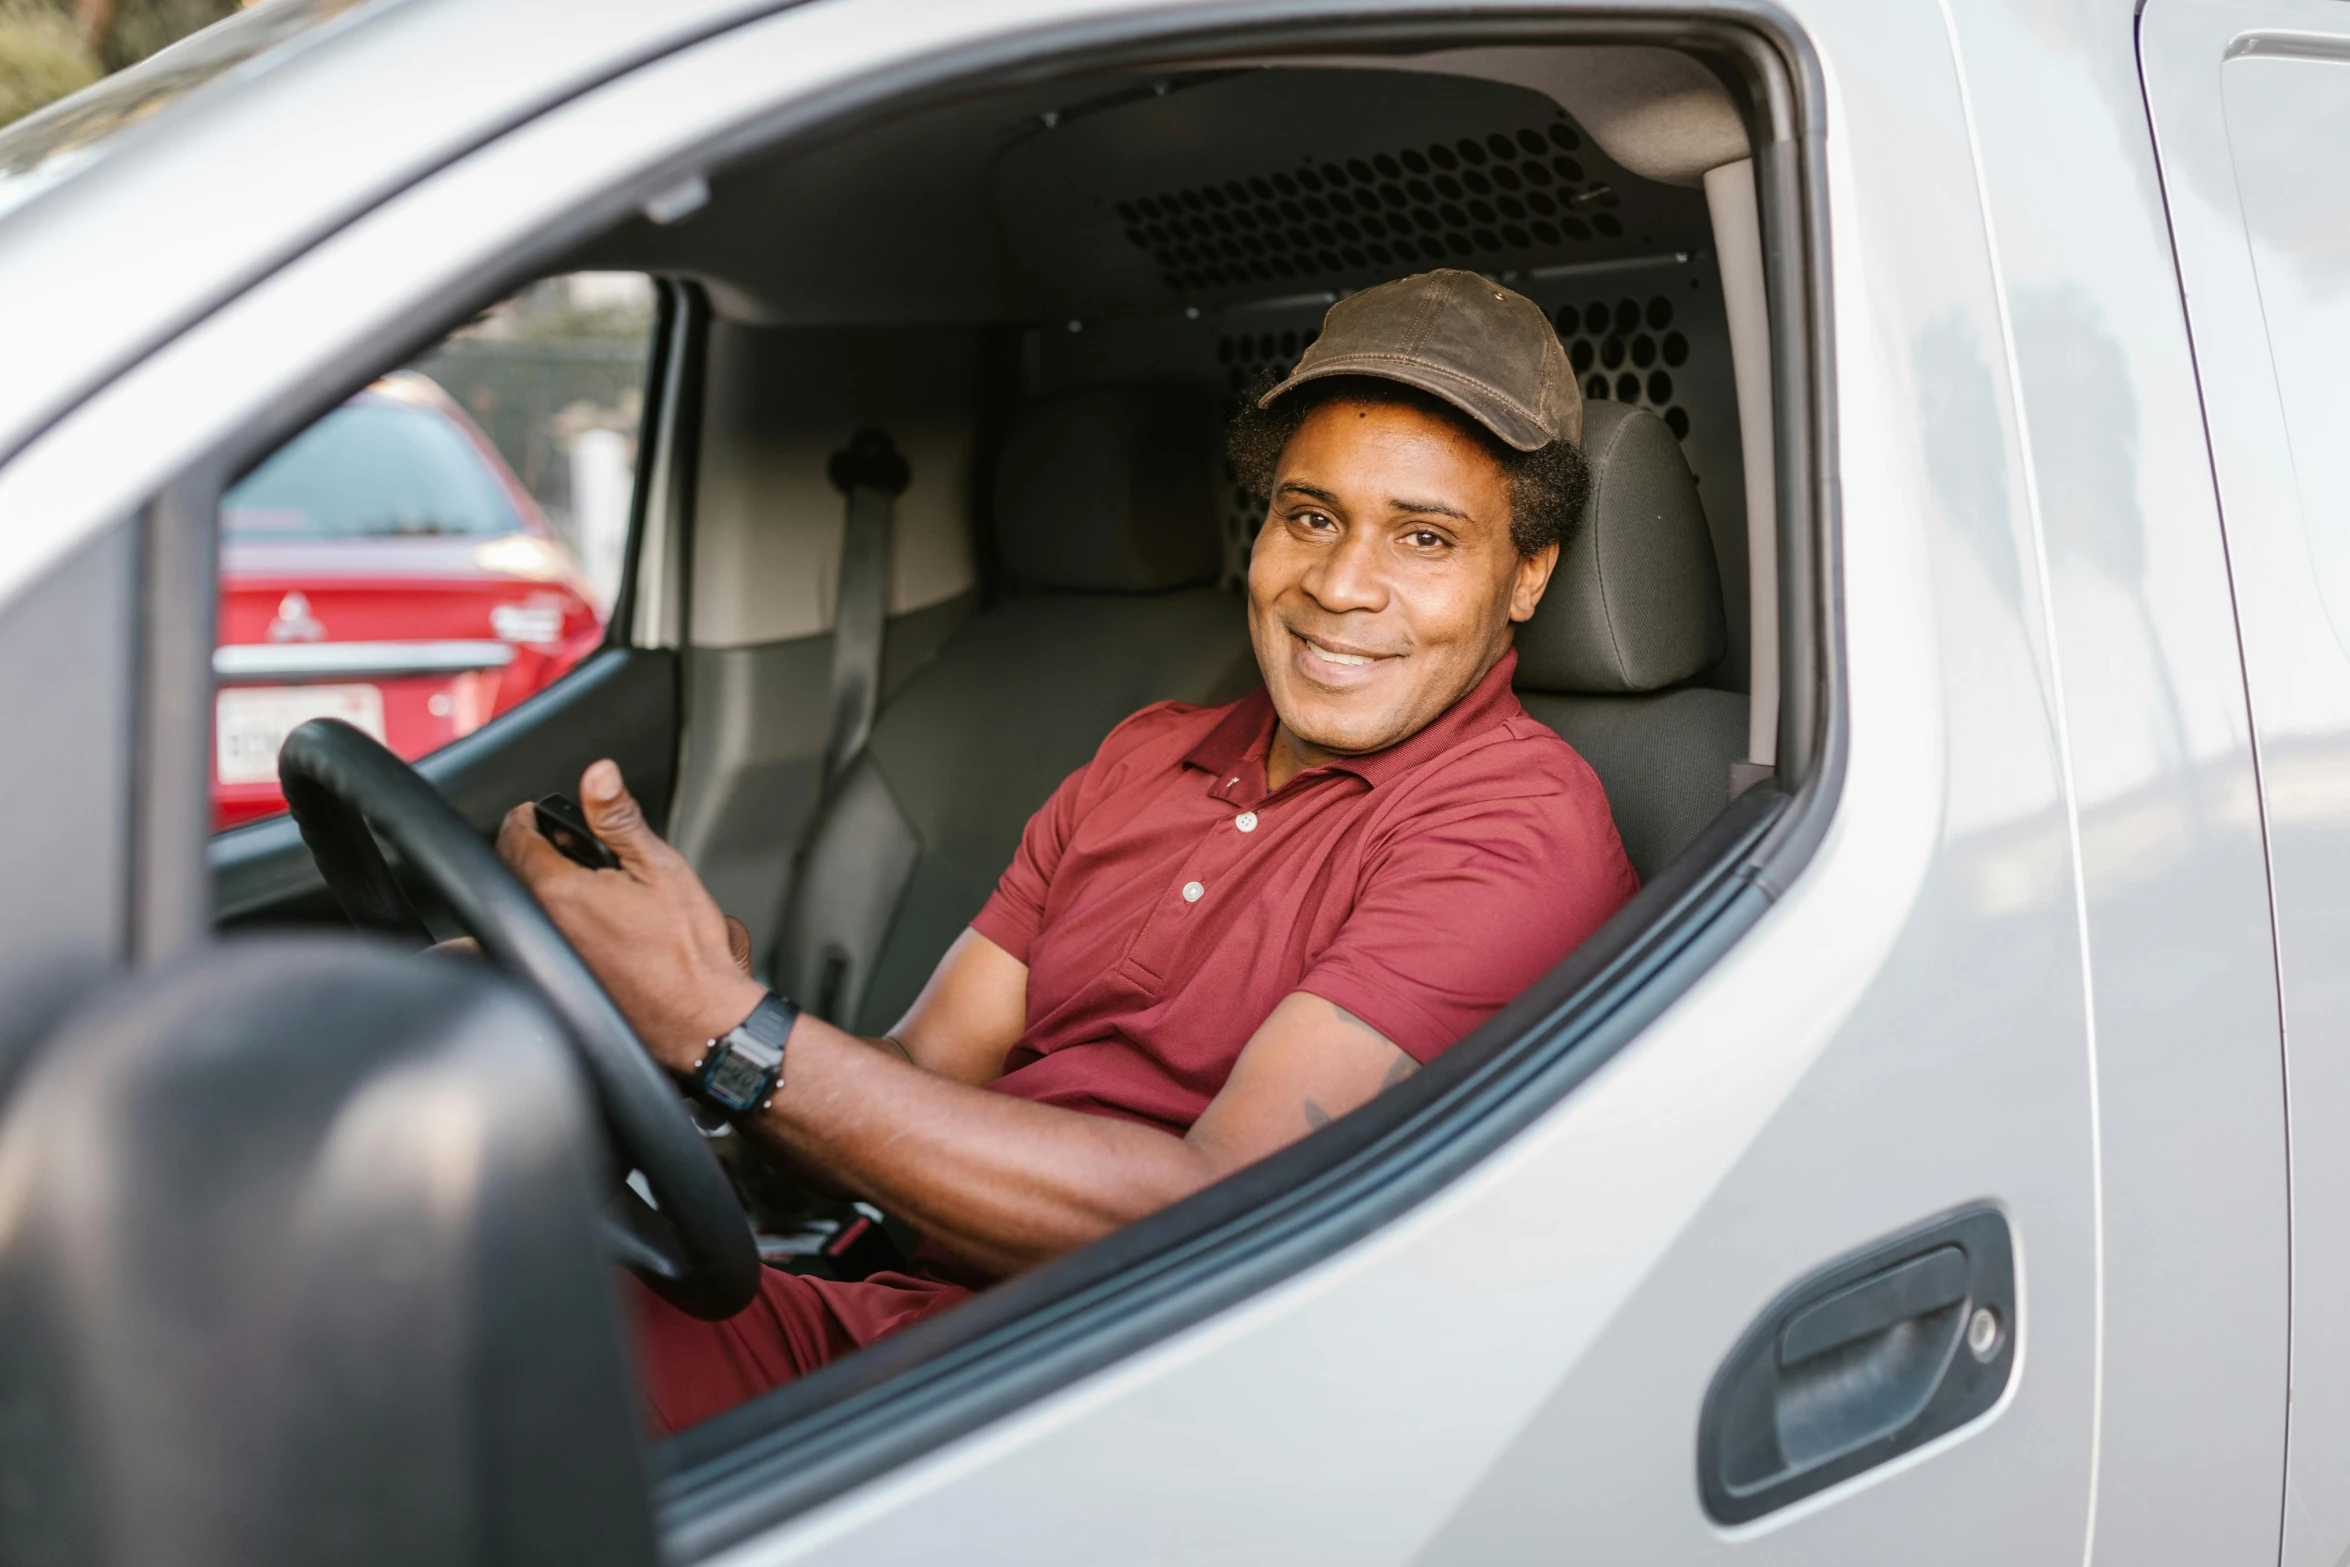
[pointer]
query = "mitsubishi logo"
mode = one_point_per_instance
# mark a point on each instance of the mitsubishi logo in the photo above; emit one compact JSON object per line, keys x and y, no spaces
{"x":294,"y":621}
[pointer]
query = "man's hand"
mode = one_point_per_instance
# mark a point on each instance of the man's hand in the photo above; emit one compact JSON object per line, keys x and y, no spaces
{"x":679,"y":969}
{"x":738,"y":942}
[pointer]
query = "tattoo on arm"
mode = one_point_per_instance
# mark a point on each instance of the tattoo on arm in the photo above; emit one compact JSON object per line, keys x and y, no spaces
{"x":1404,"y":1065}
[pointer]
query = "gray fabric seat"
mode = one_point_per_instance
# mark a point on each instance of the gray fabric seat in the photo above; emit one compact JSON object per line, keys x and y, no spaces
{"x":1106,"y":518}
{"x":1635,"y":608}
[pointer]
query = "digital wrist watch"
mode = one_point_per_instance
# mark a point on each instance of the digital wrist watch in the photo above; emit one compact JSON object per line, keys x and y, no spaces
{"x":743,"y":1067}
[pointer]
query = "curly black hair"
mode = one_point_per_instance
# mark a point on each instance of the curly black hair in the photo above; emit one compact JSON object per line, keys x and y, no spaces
{"x":1548,"y":485}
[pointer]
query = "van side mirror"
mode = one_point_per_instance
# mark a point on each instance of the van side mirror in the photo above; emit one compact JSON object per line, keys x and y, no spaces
{"x":297,"y":1264}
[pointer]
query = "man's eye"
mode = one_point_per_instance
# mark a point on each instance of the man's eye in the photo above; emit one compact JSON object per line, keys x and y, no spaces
{"x":1426,"y":538}
{"x":1315,"y":519}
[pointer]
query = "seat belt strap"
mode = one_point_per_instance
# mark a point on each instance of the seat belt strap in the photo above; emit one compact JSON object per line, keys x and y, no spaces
{"x":870,"y":472}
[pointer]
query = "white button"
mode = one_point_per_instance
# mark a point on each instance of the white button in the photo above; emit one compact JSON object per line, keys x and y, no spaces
{"x":1193,"y":892}
{"x":1246,"y":821}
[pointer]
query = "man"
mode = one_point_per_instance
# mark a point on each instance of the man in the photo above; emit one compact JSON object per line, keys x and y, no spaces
{"x":1233,"y":924}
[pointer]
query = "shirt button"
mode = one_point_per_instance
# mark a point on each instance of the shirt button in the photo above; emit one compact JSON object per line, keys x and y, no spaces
{"x":1246,"y":821}
{"x":1193,"y":892}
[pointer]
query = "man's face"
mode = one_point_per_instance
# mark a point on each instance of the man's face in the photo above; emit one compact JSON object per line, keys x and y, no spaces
{"x":1383,"y":583}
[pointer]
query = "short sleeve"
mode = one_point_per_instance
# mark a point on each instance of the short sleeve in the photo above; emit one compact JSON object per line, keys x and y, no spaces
{"x":1469,"y":904}
{"x":1015,"y":911}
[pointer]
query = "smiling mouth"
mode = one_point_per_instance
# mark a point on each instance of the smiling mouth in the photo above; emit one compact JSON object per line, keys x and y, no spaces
{"x":1342,"y":658}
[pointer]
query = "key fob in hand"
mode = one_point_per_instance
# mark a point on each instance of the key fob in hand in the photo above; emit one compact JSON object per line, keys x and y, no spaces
{"x":563,"y":824}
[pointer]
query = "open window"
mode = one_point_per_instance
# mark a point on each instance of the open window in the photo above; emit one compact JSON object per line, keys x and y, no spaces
{"x":1008,"y":280}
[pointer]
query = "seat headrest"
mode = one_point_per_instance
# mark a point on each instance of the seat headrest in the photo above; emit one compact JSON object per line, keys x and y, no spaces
{"x":1112,"y":490}
{"x":1636,"y":602}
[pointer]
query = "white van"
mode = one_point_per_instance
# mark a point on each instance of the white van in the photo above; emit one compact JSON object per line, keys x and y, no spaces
{"x":1946,"y":1156}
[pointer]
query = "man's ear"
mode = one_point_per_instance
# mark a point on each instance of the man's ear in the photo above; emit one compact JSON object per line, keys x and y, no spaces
{"x":1533,"y":580}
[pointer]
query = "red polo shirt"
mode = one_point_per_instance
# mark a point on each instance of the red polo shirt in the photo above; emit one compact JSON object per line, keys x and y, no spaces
{"x":1165,"y":901}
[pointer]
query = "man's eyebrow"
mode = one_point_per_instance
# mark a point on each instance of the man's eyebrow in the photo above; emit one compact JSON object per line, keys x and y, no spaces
{"x":1330,"y":498}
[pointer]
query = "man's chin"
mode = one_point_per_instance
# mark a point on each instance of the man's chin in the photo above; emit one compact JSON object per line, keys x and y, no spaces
{"x":1341,"y":726}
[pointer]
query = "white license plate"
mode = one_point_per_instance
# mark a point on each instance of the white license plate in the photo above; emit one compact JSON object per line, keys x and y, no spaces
{"x":249,"y":723}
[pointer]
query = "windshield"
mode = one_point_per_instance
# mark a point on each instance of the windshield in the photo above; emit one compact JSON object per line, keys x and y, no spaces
{"x":41,"y":149}
{"x":372,"y":470}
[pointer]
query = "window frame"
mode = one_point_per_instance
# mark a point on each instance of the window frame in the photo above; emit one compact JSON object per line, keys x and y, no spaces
{"x":758,"y":1466}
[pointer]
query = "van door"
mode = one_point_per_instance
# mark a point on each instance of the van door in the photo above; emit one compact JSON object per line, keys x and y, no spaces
{"x":2251,"y":112}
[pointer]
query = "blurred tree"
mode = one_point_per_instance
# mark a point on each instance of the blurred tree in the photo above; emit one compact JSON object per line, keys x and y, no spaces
{"x":49,"y":48}
{"x":124,"y":32}
{"x":42,"y":57}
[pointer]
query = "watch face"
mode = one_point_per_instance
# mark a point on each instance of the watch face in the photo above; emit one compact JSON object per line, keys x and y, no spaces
{"x":735,"y":1081}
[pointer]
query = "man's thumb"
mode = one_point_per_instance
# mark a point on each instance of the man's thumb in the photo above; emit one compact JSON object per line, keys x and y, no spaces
{"x":612,"y":812}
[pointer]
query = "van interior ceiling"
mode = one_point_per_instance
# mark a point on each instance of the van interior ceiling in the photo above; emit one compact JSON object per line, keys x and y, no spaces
{"x":953,"y":272}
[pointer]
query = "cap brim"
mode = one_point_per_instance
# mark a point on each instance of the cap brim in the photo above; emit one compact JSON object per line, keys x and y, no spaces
{"x":1511,"y":425}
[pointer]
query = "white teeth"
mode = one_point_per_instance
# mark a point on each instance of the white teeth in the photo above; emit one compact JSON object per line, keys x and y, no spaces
{"x":1338,"y":658}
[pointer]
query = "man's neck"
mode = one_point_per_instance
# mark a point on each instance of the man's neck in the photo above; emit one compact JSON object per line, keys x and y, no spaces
{"x":1288,"y":756}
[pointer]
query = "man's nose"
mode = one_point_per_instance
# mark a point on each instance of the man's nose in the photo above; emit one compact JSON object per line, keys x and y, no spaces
{"x":1351,"y":576}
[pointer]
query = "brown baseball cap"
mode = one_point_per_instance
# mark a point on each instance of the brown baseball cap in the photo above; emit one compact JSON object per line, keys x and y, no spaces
{"x":1487,"y":350}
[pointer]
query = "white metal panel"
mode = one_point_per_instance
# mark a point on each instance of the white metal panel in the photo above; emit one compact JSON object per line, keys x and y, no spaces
{"x":2190,"y":1086}
{"x":2253,"y":149}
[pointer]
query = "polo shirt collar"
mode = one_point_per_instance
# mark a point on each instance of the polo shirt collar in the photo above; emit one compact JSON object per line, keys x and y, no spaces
{"x":1245,"y":734}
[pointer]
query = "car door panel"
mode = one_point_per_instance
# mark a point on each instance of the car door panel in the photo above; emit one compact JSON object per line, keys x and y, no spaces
{"x":2191,"y":1251}
{"x":66,"y":684}
{"x":1514,"y":1370}
{"x":2250,"y":104}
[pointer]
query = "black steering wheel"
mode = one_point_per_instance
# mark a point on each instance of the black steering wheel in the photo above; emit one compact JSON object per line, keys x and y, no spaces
{"x":695,"y":1246}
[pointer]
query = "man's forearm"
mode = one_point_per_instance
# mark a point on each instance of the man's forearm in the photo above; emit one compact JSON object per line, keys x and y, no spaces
{"x":805,"y":1171}
{"x":1002,"y":1181}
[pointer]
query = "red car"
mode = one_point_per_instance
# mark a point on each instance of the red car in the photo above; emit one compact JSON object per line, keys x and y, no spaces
{"x":386,"y":568}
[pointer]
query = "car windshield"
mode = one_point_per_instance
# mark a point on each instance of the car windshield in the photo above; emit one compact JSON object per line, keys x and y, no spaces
{"x":372,"y":469}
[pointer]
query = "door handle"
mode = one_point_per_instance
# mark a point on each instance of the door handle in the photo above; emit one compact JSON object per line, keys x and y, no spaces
{"x":1916,"y":1288}
{"x":1861,"y":1361}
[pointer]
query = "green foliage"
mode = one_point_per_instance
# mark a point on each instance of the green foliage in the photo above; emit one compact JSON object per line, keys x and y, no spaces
{"x":41,"y":59}
{"x":143,"y":26}
{"x":49,"y":48}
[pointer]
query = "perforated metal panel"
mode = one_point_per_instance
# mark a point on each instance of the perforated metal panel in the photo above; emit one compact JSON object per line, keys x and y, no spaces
{"x":1476,"y":200}
{"x":1251,"y":184}
{"x":1245,"y":358}
{"x":1627,"y":349}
